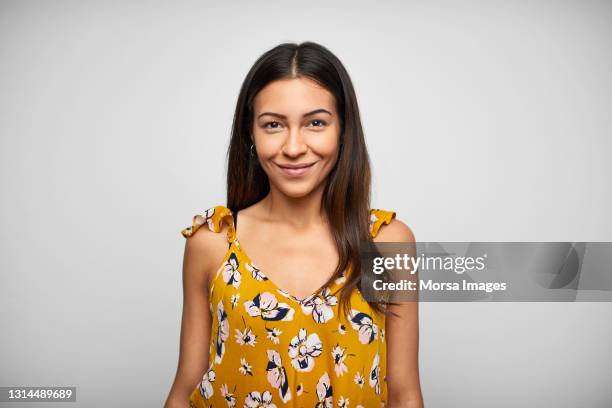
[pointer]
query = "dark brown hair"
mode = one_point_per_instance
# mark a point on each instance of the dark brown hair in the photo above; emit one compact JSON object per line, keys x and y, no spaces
{"x":346,"y":198}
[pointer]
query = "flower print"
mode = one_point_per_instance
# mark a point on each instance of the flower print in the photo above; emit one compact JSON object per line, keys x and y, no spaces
{"x":231,"y":273}
{"x":300,"y":389}
{"x":303,"y":349}
{"x":363,"y":323}
{"x":320,"y":306}
{"x":273,"y":334}
{"x":246,"y":337}
{"x":206,"y":218}
{"x":222,"y":332}
{"x":256,"y":400}
{"x":343,"y":402}
{"x":339,"y":355}
{"x":267,"y":306}
{"x":359,"y":380}
{"x":324,"y":393}
{"x":382,"y":334}
{"x":341,"y":278}
{"x":255,"y":272}
{"x":373,"y":220}
{"x":277,"y":375}
{"x":245,"y":367}
{"x":375,"y":375}
{"x":234,"y":299}
{"x":229,"y":397}
{"x":341,"y":328}
{"x":206,"y":388}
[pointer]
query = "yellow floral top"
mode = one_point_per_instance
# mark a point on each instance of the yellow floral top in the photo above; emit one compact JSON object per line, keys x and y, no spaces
{"x":270,"y":349}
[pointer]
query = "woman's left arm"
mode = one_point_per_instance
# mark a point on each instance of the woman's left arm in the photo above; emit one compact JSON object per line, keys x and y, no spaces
{"x":402,"y":335}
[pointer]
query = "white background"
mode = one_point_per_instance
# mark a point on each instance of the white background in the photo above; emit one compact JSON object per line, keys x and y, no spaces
{"x":485,"y":121}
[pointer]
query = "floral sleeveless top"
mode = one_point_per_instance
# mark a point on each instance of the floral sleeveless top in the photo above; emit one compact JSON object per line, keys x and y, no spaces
{"x":270,"y":349}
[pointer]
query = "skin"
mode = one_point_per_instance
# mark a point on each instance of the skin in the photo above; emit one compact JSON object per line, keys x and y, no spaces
{"x":281,"y":232}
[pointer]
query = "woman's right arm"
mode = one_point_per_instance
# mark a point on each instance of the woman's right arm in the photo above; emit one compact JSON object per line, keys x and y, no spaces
{"x":202,"y":250}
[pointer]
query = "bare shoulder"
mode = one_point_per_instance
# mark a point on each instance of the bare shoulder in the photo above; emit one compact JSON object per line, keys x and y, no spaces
{"x":205,"y":240}
{"x":395,"y":231}
{"x":204,"y":252}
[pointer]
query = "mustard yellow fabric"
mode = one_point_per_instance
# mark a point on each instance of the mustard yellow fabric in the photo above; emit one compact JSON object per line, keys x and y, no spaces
{"x":270,"y":349}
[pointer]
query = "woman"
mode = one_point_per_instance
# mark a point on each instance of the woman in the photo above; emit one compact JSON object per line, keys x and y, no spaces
{"x":273,"y":315}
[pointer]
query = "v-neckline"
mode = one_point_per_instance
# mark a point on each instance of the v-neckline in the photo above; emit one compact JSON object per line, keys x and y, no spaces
{"x":238,"y":245}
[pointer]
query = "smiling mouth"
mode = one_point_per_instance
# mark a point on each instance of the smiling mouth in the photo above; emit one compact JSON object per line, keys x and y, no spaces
{"x":295,"y":169}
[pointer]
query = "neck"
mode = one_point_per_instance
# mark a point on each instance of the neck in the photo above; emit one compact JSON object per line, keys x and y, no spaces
{"x":299,"y":212}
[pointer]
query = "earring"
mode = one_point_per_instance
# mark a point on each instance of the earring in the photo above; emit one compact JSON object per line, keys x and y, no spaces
{"x":251,"y":152}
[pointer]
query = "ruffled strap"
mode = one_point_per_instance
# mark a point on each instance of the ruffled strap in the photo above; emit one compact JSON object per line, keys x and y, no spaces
{"x":213,"y":218}
{"x":378,"y":218}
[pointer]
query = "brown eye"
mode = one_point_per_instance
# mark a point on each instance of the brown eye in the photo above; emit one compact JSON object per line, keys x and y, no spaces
{"x":320,"y":122}
{"x":269,"y":123}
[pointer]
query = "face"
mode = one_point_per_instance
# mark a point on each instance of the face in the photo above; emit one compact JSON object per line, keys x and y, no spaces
{"x":296,"y":133}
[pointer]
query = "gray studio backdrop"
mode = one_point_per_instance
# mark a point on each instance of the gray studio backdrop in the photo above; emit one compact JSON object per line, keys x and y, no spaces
{"x":486,"y":121}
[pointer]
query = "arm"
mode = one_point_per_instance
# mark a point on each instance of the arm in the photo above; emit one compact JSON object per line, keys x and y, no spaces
{"x":196,"y":319}
{"x":402,"y":334}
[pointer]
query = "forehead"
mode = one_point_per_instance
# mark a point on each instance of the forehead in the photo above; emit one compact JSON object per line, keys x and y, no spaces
{"x":294,"y":95}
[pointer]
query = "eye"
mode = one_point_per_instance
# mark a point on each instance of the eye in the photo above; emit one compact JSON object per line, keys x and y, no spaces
{"x":269,"y":123}
{"x":322,"y":122}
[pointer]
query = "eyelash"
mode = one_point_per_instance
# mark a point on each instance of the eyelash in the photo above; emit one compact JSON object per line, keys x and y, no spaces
{"x":323,"y":123}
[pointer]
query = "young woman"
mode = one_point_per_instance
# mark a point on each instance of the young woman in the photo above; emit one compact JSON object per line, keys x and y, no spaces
{"x":273,"y":315}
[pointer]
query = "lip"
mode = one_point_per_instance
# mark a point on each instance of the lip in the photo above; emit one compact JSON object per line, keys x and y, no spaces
{"x":295,"y":170}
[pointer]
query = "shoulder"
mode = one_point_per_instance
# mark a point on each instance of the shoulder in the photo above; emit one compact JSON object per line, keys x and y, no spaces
{"x":395,"y":230}
{"x":206,"y":237}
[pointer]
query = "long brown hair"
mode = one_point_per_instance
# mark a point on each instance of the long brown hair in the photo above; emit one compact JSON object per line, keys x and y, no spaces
{"x":346,"y":198}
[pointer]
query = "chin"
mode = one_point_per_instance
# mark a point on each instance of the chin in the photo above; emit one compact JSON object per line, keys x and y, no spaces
{"x":295,"y":191}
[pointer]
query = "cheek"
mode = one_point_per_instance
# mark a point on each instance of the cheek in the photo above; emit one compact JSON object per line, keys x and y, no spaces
{"x":269,"y":147}
{"x":325,"y":144}
{"x":326,"y":149}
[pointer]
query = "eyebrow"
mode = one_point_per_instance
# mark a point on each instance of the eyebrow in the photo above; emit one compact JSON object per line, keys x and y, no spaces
{"x":278,"y":115}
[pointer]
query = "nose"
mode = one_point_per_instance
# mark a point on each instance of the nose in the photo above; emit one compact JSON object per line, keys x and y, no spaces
{"x":294,"y":145}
